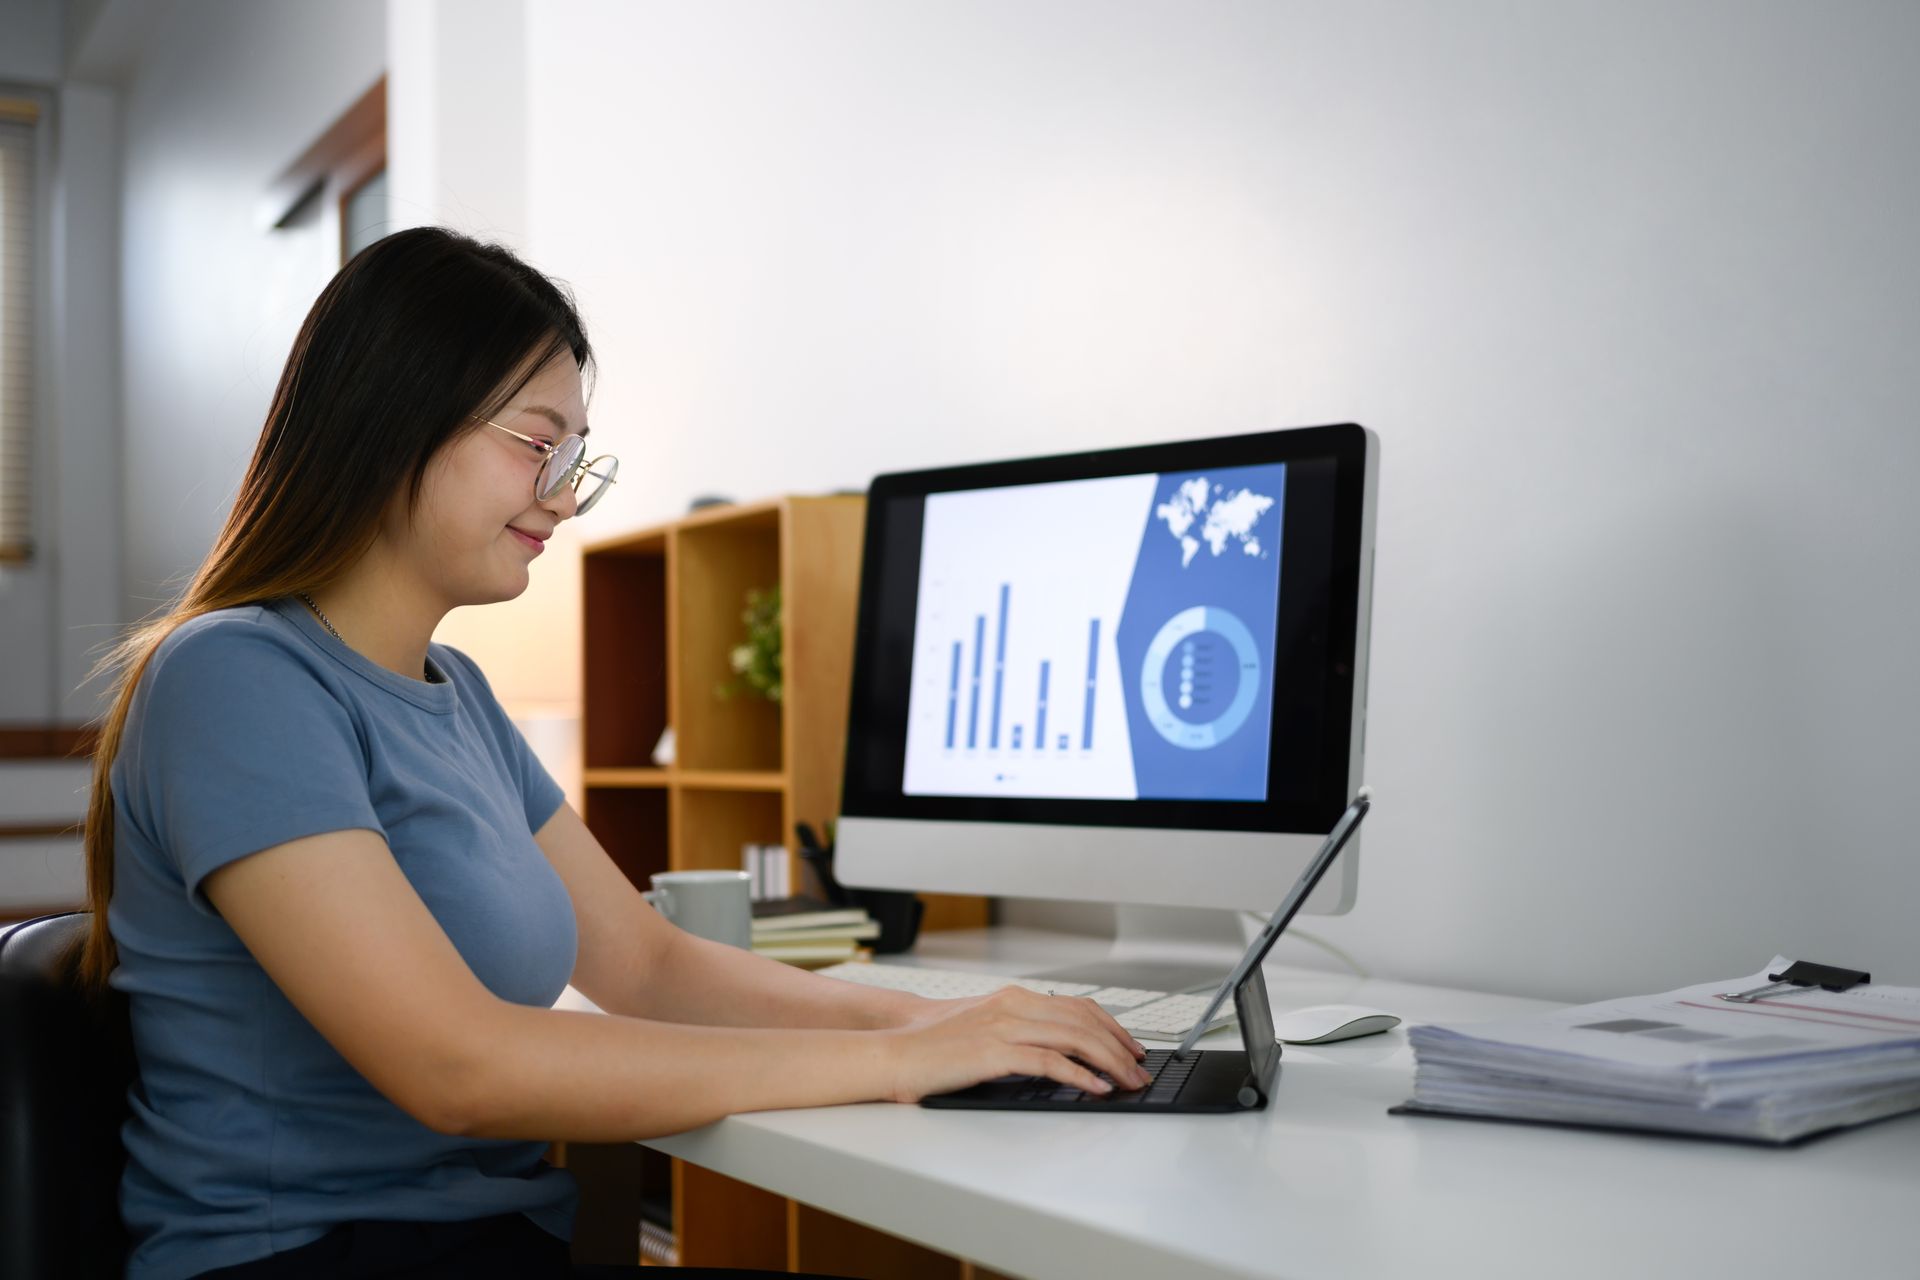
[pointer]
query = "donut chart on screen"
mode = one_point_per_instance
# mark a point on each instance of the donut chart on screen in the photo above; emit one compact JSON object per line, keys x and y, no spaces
{"x":1196,"y":685}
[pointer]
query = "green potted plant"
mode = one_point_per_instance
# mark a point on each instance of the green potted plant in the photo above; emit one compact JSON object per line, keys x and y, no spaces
{"x":756,"y":661}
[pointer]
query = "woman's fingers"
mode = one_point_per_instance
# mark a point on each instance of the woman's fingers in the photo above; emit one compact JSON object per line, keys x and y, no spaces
{"x":1113,"y":1042}
{"x":1093,"y":1047}
{"x":1062,"y":1038}
{"x":1084,"y":1012}
{"x":1112,"y":1024}
{"x":1037,"y":1061}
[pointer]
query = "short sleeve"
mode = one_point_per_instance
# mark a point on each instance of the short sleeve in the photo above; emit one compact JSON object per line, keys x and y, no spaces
{"x":241,"y":746}
{"x":540,"y":795}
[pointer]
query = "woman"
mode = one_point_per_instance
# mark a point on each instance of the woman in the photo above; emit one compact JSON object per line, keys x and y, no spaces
{"x":340,"y":892}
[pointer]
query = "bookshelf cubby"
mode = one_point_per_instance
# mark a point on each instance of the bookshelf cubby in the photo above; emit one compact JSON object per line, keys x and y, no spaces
{"x":630,"y":822}
{"x":662,"y":612}
{"x":661,"y":615}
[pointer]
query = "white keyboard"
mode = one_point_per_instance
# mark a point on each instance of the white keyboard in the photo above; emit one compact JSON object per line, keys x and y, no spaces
{"x":1153,"y":1014}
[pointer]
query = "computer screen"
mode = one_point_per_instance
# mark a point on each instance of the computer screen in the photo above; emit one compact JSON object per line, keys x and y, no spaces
{"x":1134,"y":675}
{"x":1173,"y":578}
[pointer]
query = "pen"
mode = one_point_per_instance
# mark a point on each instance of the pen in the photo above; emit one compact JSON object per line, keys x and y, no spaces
{"x":821,"y":860}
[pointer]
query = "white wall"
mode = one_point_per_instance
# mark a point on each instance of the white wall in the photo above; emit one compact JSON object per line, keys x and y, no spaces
{"x":458,"y":149}
{"x":31,"y":50}
{"x":1624,"y":287}
{"x":226,"y":94}
{"x":83,"y":458}
{"x":1628,"y":290}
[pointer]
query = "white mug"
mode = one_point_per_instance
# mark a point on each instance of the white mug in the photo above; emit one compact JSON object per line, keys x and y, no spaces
{"x":713,"y":904}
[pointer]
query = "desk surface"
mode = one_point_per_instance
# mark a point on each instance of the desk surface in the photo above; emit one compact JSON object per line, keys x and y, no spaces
{"x":1324,"y":1183}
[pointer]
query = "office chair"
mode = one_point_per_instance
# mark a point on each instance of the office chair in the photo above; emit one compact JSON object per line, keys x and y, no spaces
{"x":65,"y":1063}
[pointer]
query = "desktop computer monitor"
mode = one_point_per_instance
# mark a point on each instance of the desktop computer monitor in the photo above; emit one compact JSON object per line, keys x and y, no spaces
{"x":1135,"y":676}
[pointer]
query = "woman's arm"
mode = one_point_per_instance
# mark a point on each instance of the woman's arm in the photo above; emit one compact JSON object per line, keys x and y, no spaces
{"x":340,"y":930}
{"x":633,"y":961}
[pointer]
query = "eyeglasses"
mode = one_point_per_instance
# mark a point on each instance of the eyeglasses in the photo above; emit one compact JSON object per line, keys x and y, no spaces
{"x":564,"y":466}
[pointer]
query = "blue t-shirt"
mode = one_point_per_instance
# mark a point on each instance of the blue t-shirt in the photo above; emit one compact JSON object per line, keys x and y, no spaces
{"x":250,"y":1135}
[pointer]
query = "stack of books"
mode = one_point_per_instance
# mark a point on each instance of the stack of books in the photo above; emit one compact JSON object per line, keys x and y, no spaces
{"x":1769,"y":1070}
{"x":809,"y":932}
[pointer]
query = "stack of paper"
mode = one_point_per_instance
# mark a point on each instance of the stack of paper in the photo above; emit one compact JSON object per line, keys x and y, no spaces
{"x":808,"y":933}
{"x":1773,"y":1070}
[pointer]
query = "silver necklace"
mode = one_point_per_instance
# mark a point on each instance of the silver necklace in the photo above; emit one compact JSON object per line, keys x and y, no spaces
{"x":323,"y":617}
{"x":334,"y":633}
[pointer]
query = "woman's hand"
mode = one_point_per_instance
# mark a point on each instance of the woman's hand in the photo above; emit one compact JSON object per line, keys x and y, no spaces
{"x":942,"y":1045}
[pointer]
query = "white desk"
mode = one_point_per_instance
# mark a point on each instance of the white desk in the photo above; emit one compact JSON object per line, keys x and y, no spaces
{"x":1323,"y":1183}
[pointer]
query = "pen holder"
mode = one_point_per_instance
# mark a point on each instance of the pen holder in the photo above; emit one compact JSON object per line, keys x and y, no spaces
{"x":897,"y":912}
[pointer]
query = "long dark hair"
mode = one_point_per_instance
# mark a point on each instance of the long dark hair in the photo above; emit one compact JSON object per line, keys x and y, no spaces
{"x":420,"y":331}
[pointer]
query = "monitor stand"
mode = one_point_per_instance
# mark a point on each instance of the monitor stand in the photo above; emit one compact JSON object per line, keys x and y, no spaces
{"x":1167,"y":949}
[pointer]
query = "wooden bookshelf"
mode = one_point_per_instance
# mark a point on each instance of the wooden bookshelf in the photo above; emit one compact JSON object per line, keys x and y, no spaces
{"x":662,"y":612}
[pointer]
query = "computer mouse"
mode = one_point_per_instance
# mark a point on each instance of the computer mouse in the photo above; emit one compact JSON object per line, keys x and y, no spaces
{"x":1324,"y":1023}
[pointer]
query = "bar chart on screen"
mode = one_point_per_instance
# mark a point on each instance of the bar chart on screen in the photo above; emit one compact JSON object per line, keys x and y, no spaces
{"x":1016,"y":687}
{"x":966,"y":732}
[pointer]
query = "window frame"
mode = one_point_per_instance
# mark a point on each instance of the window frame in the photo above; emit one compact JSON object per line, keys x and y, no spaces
{"x":23,"y":461}
{"x":344,"y":158}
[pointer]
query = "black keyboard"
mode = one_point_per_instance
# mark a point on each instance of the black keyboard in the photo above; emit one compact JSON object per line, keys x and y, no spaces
{"x":1169,"y":1077}
{"x":1214,"y":1082}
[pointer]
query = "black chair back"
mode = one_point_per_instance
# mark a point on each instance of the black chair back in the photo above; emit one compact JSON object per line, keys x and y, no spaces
{"x":66,"y":1060}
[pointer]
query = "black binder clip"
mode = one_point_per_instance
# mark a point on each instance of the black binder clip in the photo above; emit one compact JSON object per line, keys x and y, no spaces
{"x":1798,"y":976}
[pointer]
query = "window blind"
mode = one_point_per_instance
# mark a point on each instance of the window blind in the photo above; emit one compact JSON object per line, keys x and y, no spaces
{"x":19,"y":135}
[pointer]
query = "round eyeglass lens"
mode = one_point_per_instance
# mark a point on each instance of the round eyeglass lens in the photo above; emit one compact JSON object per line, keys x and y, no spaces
{"x":595,"y":481}
{"x":558,"y":468}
